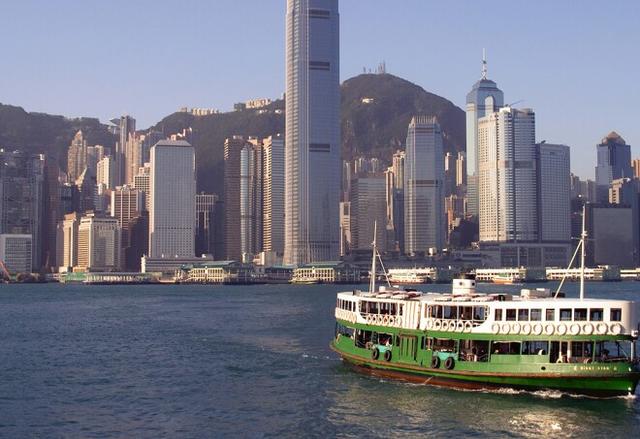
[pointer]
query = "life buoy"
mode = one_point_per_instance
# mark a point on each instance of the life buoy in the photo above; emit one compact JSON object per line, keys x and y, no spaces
{"x":459,"y":326}
{"x":437,"y":325}
{"x":516,"y":328}
{"x":505,"y":328}
{"x":601,"y":328}
{"x":587,"y":328}
{"x":375,"y":353}
{"x":574,"y":329}
{"x":387,"y":355}
{"x":549,"y":329}
{"x":537,"y":329}
{"x":429,"y":323}
{"x":467,"y":327}
{"x":562,"y":329}
{"x":495,"y":328}
{"x":385,"y":320}
{"x":450,"y":325}
{"x":450,"y":363}
{"x":526,"y":329}
{"x":435,"y":361}
{"x":367,"y":318}
{"x":587,"y":360}
{"x":616,"y":328}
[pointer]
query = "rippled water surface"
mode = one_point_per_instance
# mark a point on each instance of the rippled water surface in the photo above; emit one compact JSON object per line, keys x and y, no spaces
{"x":203,"y":361}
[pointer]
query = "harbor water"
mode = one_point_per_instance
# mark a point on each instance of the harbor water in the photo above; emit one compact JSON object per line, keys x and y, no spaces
{"x":242,"y":361}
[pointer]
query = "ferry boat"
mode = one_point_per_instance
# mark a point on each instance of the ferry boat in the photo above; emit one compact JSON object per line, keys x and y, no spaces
{"x":409,"y":276}
{"x":465,"y":339}
{"x":507,"y":279}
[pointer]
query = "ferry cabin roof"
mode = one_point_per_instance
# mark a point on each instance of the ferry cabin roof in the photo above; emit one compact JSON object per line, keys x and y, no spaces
{"x":490,"y":314}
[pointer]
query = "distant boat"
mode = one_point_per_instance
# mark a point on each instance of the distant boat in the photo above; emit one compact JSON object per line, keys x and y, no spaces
{"x":306,"y":280}
{"x":507,"y":279}
{"x":408,"y":277}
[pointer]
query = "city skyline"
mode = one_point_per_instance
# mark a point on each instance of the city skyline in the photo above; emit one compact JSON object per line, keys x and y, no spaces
{"x":547,"y":79}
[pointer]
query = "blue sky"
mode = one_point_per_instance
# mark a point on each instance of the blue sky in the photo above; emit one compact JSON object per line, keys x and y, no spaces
{"x":576,"y":63}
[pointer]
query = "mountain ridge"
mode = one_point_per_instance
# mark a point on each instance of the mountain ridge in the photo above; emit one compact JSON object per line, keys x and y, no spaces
{"x":375,"y":112}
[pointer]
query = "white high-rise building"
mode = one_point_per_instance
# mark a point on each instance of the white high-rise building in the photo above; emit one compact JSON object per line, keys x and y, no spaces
{"x":312,"y":141}
{"x":508,"y":186}
{"x":173,"y":193}
{"x":273,"y":193}
{"x":424,"y":225}
{"x":555,"y":192}
{"x":484,"y":98}
{"x":106,"y":172}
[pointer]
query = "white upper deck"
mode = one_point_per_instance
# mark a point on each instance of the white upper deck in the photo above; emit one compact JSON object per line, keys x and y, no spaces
{"x":533,"y":312}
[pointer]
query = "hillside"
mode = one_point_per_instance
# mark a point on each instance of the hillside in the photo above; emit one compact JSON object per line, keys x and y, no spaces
{"x":45,"y":133}
{"x":374,"y":127}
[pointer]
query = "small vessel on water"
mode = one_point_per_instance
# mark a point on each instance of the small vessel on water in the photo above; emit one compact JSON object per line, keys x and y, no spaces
{"x":466,"y":339}
{"x":507,"y":279}
{"x":409,"y":276}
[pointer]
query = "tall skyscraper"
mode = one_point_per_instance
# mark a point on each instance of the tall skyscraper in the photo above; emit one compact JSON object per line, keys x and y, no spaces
{"x":312,"y":143}
{"x":424,"y":226}
{"x":173,"y":194}
{"x":76,"y":157}
{"x":21,"y":198}
{"x":461,"y":170}
{"x":205,"y":223}
{"x":126,"y":203}
{"x":507,"y":177}
{"x":614,"y":161}
{"x":126,"y":126}
{"x":142,"y":182}
{"x":106,"y":172}
{"x":273,"y":192}
{"x":635,"y":164}
{"x":243,"y":163}
{"x":368,"y":206}
{"x":484,"y":98}
{"x":554,"y":186}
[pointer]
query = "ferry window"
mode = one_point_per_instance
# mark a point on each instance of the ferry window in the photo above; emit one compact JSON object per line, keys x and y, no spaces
{"x":523,"y":315}
{"x":438,"y":311}
{"x":401,"y":308}
{"x":536,"y":314}
{"x":466,"y":312}
{"x":429,"y":342}
{"x":581,"y":349}
{"x":580,"y":314}
{"x":596,"y":314}
{"x":511,"y":314}
{"x":505,"y":348}
{"x":565,"y":314}
{"x":392,"y":307}
{"x":551,"y":315}
{"x":450,"y":312}
{"x":444,"y":345}
{"x":498,"y":315}
{"x":616,"y":315}
{"x":535,"y":348}
{"x":479,"y":313}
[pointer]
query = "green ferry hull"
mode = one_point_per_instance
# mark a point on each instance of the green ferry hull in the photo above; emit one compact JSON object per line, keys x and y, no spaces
{"x":605,"y":385}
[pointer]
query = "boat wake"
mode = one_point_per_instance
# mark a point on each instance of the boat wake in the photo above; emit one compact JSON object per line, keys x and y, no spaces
{"x":543,"y":394}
